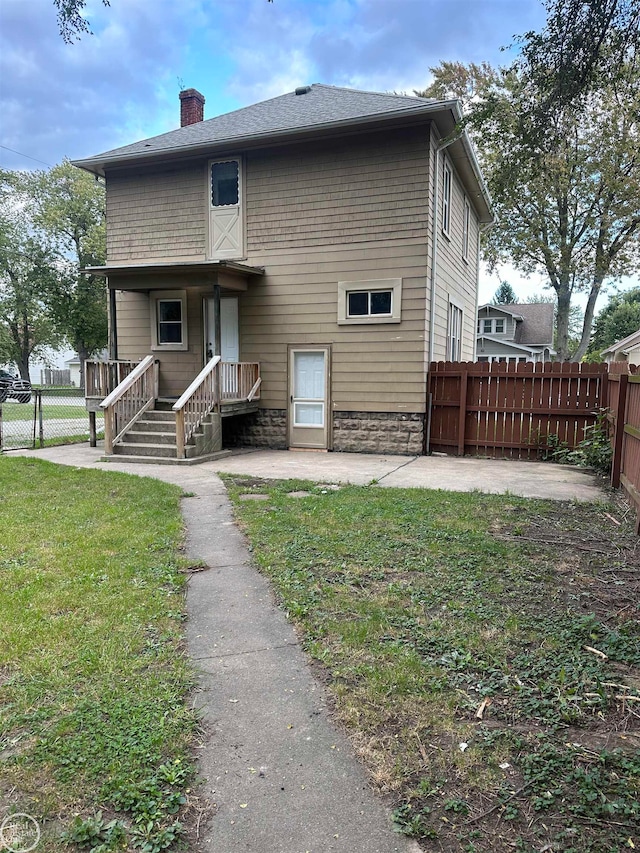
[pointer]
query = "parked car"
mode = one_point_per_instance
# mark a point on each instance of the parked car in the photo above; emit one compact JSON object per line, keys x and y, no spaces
{"x":14,"y":388}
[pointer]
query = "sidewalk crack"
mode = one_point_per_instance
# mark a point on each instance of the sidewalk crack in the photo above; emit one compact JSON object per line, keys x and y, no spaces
{"x":393,"y":470}
{"x":247,"y":652}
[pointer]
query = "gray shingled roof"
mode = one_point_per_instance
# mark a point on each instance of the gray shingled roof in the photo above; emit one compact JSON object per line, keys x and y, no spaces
{"x":321,"y":106}
{"x":537,"y":325}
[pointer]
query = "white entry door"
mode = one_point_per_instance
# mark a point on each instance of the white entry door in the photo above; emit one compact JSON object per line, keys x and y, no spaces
{"x":229,"y":339}
{"x":309,"y":397}
{"x":229,"y":330}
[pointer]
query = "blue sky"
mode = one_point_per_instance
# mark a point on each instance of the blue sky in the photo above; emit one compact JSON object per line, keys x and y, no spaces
{"x":121,"y":83}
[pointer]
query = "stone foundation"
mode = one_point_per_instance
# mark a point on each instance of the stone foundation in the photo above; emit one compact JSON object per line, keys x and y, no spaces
{"x":264,"y":428}
{"x":355,"y":432}
{"x":378,"y":432}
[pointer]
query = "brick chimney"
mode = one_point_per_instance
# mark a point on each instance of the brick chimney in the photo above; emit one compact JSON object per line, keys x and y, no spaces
{"x":191,"y":107}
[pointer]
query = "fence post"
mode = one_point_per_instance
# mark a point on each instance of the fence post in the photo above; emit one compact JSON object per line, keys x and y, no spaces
{"x":40,"y":418}
{"x":462,"y":414}
{"x":618,"y":436}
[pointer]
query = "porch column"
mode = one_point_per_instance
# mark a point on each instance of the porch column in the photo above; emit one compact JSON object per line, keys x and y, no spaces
{"x":113,"y":325}
{"x":217,"y":340}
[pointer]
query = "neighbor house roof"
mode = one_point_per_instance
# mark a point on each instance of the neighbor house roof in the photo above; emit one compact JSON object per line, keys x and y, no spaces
{"x":532,"y":348}
{"x":308,"y":111}
{"x":535,"y":321}
{"x":624,"y":343}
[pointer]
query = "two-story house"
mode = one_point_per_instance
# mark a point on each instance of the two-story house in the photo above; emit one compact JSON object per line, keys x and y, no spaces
{"x":327,"y":238}
{"x":515,"y":333}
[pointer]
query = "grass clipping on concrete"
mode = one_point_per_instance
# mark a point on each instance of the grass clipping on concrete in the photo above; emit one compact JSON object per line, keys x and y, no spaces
{"x":483,"y":652}
{"x":93,"y":677}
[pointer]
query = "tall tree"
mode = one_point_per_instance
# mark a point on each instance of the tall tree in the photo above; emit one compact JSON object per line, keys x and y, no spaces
{"x":27,"y":328}
{"x":505,"y":294}
{"x":619,"y":317}
{"x":69,"y":207}
{"x":563,"y":175}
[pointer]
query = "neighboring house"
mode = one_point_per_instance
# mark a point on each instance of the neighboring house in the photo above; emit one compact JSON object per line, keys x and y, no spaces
{"x":515,"y":333}
{"x":627,"y":349}
{"x":73,"y":366}
{"x":329,"y":235}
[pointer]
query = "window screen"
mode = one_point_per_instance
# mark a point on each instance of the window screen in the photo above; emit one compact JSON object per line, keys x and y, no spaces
{"x":224,"y":184}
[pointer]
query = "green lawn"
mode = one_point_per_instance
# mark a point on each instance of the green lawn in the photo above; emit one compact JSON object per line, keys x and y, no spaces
{"x":482,"y":651}
{"x":12,"y":411}
{"x":93,"y":677}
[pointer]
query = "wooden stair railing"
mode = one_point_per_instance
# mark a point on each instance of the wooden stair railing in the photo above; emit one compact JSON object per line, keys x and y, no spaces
{"x":129,"y":400}
{"x":198,"y":401}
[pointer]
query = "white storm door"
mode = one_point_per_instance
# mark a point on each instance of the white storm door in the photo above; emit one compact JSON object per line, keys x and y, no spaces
{"x":309,"y":398}
{"x":229,"y":331}
{"x":226,"y":232}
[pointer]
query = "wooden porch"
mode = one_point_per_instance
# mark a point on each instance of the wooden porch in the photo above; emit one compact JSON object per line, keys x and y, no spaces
{"x":140,"y":425}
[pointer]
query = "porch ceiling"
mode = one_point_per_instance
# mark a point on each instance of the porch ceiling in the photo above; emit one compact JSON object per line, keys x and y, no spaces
{"x":227,"y":273}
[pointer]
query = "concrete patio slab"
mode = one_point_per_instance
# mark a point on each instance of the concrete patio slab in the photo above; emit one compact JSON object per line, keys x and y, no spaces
{"x":451,"y":473}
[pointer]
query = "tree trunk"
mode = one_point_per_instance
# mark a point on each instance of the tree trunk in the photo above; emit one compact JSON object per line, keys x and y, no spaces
{"x":562,"y":322}
{"x":588,"y":318}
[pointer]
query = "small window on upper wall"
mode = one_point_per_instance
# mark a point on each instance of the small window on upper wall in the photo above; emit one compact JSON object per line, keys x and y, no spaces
{"x":499,"y":327}
{"x":377,"y":301}
{"x":446,"y":198}
{"x":225,"y":184}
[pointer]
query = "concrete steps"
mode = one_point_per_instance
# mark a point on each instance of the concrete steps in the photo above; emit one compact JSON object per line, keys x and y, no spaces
{"x":152,"y":439}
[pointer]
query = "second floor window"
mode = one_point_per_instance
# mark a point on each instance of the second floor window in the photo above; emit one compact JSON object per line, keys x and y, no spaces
{"x":466,"y":224}
{"x":491,"y":326}
{"x":446,"y":198}
{"x":225,"y":185}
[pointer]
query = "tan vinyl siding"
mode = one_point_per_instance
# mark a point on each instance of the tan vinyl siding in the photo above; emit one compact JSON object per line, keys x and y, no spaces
{"x":177,"y":369}
{"x":157,"y":215}
{"x":456,"y":278}
{"x":356,"y":189}
{"x":375,"y":367}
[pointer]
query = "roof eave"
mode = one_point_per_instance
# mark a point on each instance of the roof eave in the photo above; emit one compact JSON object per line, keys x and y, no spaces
{"x":97,"y":164}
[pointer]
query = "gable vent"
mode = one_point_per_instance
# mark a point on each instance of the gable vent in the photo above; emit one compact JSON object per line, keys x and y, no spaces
{"x":303,"y":90}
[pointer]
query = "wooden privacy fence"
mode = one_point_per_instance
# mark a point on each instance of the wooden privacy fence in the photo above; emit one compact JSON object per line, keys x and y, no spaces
{"x":513,"y":411}
{"x":624,"y":419}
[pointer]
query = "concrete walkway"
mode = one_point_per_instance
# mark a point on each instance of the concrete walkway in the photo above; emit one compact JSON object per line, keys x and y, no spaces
{"x":280,"y":776}
{"x":283,"y":779}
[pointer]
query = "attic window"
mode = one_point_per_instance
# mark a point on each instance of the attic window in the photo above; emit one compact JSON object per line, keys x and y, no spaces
{"x":225,"y":183}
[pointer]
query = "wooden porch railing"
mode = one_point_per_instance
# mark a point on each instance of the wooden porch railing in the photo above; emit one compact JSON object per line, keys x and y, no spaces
{"x":218,"y":382}
{"x":102,"y":377}
{"x":240,"y":380}
{"x":198,"y":401}
{"x":129,"y":400}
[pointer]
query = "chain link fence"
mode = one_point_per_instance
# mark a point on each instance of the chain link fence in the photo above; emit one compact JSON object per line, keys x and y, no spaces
{"x":50,"y":416}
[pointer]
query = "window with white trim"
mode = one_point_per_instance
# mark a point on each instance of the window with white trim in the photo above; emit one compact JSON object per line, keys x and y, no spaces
{"x":454,"y":333}
{"x":447,"y":180}
{"x":169,"y":320}
{"x":491,"y":326}
{"x":376,"y":301}
{"x":466,"y":225}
